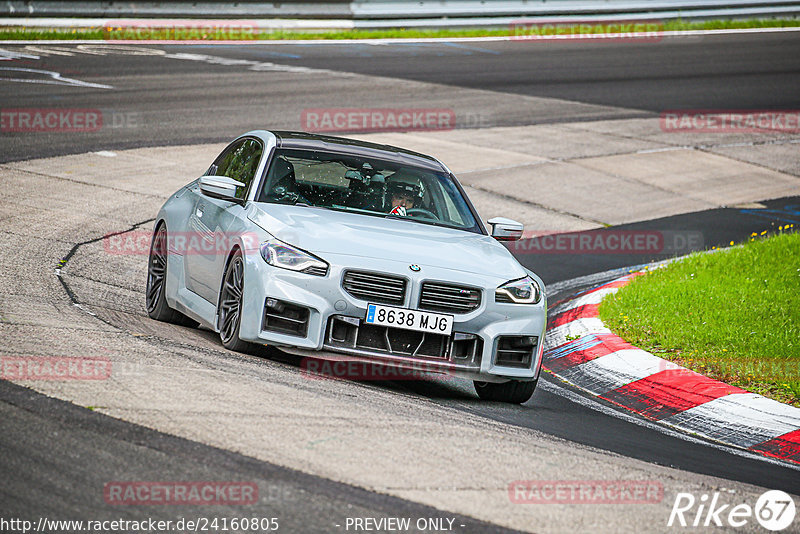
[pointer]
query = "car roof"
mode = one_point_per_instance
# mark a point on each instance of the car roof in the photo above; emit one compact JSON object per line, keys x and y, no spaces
{"x":354,"y":147}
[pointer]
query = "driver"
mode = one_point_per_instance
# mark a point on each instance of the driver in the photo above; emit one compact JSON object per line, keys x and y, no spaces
{"x":405,"y":190}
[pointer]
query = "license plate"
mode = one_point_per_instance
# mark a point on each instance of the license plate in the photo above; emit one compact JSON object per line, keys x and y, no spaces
{"x":420,"y":321}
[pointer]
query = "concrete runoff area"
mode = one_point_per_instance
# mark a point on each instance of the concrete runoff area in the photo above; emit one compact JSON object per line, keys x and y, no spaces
{"x":182,"y":382}
{"x":604,"y":176}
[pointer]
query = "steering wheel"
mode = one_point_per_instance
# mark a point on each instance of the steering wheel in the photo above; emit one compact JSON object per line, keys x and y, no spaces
{"x":422,"y":211}
{"x":280,"y":194}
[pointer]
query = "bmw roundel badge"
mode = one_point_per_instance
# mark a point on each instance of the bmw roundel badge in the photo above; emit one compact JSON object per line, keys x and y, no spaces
{"x":414,"y":267}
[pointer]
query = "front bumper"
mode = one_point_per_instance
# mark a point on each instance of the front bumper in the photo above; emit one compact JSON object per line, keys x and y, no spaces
{"x":314,"y":316}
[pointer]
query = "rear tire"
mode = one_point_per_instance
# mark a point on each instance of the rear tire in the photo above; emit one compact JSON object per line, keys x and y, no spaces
{"x":155,"y":292}
{"x":513,"y":392}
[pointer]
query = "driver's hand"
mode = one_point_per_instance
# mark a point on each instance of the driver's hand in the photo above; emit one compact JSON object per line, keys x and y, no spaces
{"x":398,"y":210}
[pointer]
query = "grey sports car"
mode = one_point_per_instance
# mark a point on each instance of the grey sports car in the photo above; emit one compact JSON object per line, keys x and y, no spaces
{"x":338,"y":249}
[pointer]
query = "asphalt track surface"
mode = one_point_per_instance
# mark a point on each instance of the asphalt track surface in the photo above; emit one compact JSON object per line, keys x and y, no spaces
{"x":93,"y":448}
{"x":193,"y":101}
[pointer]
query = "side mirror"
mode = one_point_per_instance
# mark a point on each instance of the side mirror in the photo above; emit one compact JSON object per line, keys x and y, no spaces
{"x":505,"y":229}
{"x":221,"y":187}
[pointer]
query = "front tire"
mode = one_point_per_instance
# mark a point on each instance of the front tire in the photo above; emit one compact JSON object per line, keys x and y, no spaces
{"x":155,"y":292}
{"x":513,"y":391}
{"x":230,"y":306}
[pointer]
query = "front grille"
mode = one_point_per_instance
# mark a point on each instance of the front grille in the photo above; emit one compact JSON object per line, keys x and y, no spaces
{"x":401,"y":342}
{"x":351,"y":333}
{"x":375,"y":287}
{"x":449,"y":298}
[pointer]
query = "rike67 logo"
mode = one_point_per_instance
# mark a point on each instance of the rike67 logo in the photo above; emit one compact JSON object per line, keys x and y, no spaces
{"x":774,"y":510}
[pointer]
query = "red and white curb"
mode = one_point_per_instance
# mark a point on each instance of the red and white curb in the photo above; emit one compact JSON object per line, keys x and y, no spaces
{"x":582,"y":351}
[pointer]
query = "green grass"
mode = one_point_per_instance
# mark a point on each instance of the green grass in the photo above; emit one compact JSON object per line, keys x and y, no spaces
{"x":733,"y":315}
{"x":22,"y":33}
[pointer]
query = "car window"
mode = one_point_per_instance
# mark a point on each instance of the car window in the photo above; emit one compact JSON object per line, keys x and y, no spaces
{"x":452,"y":210}
{"x":240,"y":162}
{"x":367,"y":186}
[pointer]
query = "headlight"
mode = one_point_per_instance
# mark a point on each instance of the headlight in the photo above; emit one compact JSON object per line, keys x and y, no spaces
{"x":522,"y":291}
{"x":285,"y":256}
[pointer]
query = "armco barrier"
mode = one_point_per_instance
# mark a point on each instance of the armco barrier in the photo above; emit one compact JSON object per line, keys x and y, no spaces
{"x":404,"y":12}
{"x":319,"y":9}
{"x":535,"y":8}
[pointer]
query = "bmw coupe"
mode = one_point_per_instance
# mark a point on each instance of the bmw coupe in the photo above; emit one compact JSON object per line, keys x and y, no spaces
{"x":338,"y":249}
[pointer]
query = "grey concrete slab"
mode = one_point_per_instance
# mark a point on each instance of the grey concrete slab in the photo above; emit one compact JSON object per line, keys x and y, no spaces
{"x":594,"y":196}
{"x":554,"y":141}
{"x":450,"y":149}
{"x":104,"y":206}
{"x":780,"y":156}
{"x":535,"y":218}
{"x":148,"y":172}
{"x":651,"y":130}
{"x":698,"y":176}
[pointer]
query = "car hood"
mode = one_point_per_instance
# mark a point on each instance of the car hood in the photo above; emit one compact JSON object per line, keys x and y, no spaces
{"x":321,"y":231}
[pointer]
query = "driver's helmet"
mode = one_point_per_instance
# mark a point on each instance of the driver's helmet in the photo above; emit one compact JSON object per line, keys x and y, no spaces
{"x":407,"y":184}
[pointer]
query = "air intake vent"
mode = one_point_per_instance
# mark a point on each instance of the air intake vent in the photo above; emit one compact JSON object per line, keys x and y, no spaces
{"x":285,"y":318}
{"x":516,"y":351}
{"x":449,"y":298}
{"x":375,"y":287}
{"x":502,"y":297}
{"x":316,"y":270}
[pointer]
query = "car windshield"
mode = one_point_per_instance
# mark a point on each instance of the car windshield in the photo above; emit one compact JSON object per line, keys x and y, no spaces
{"x":366,"y":186}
